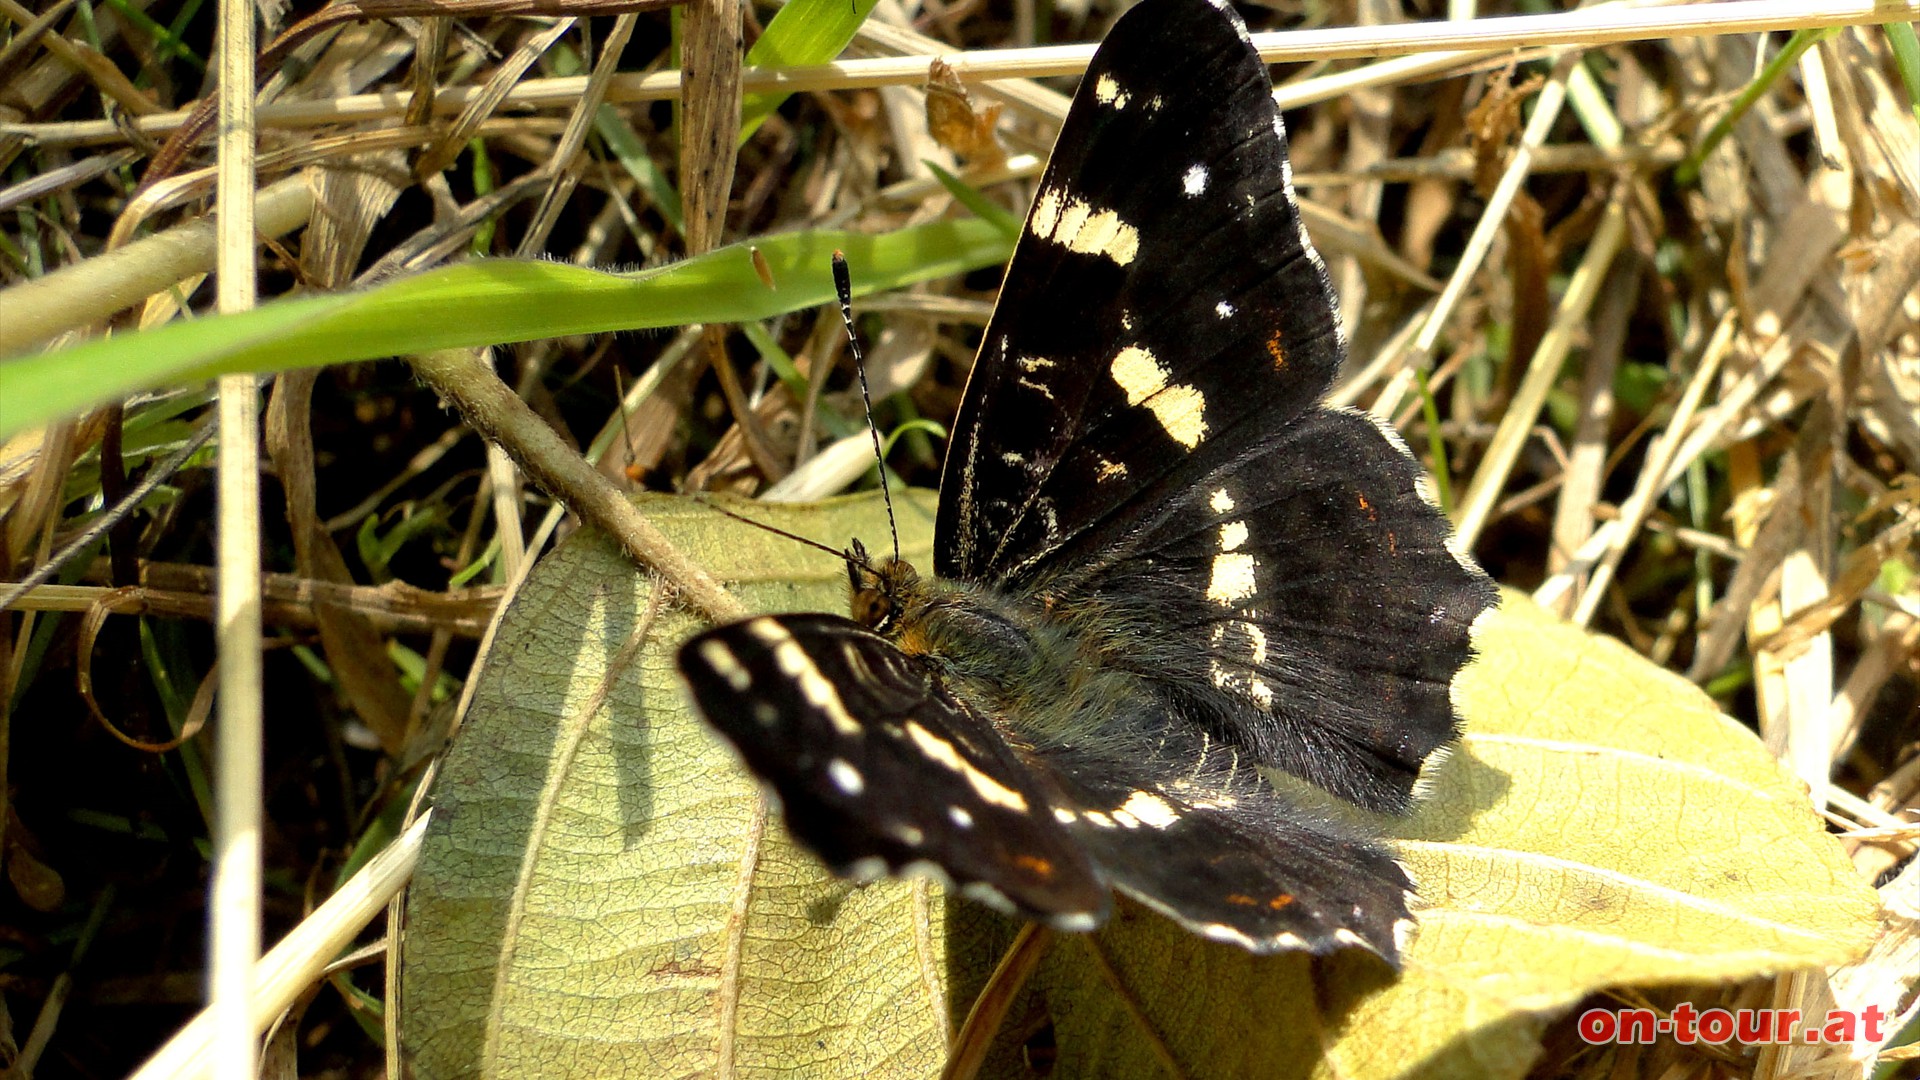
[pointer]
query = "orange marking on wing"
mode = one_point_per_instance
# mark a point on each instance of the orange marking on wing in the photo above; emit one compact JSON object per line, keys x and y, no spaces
{"x":1280,"y":901}
{"x":1242,"y":899}
{"x":1372,"y":514}
{"x":1039,"y":866}
{"x":1277,"y":351}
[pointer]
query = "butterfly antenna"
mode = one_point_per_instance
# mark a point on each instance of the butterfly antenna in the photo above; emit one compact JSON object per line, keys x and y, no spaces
{"x":858,"y":556}
{"x":843,"y":285}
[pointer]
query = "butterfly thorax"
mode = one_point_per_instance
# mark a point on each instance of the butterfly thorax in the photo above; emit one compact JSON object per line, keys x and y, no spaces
{"x":1039,"y":676}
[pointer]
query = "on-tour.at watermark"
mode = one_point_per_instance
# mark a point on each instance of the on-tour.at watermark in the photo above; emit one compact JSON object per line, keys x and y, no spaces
{"x":1687,"y":1025}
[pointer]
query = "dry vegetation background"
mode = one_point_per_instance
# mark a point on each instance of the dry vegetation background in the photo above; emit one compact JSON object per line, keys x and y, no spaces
{"x":1669,"y":373}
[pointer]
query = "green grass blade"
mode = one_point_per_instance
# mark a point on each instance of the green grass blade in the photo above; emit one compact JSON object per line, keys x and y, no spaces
{"x":971,"y":198}
{"x":1906,"y":60}
{"x":1688,"y":171}
{"x":802,"y":32}
{"x":485,"y":302}
{"x":631,"y":151}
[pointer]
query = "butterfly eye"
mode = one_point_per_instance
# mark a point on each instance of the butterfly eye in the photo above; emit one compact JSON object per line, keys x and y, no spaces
{"x":872,"y":608}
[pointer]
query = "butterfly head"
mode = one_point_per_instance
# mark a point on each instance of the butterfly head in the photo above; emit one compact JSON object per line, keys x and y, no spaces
{"x":881,"y":592}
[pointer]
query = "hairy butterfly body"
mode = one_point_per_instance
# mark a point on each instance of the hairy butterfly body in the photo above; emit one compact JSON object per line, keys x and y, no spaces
{"x":1161,"y":566}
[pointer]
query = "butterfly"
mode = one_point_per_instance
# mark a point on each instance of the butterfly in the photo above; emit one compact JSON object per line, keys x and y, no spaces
{"x":1162,"y":569}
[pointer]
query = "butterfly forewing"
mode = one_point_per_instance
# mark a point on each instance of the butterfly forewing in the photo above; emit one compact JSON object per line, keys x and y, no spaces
{"x":880,"y":770}
{"x":1162,"y":311}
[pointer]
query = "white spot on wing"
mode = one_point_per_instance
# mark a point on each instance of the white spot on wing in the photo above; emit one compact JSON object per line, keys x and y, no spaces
{"x":1075,"y":922}
{"x":1195,"y":180}
{"x":1046,"y":214}
{"x":1151,"y":809}
{"x":985,"y":786}
{"x":1232,"y":579}
{"x":990,"y":896}
{"x":959,"y":816}
{"x":1230,"y":935}
{"x":1038,"y":388}
{"x":1138,"y":373}
{"x":1105,"y":234}
{"x":1236,"y":677}
{"x":813,"y":685}
{"x":1080,"y":228}
{"x":1180,"y":409}
{"x":1223,"y":309}
{"x":726,"y":665}
{"x":845,"y":776}
{"x":1232,"y":535}
{"x":1073,"y":217}
{"x":1107,"y":92}
{"x":910,"y":835}
{"x":1221,"y":501}
{"x":1262,"y":694}
{"x":934,"y":872}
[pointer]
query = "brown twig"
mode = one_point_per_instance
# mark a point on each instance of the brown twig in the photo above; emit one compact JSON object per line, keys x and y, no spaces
{"x":493,"y":410}
{"x":989,"y":1011}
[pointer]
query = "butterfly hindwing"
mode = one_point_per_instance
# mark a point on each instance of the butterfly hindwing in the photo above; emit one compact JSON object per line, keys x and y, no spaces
{"x":1324,"y":614}
{"x":880,"y":770}
{"x":1162,"y":310}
